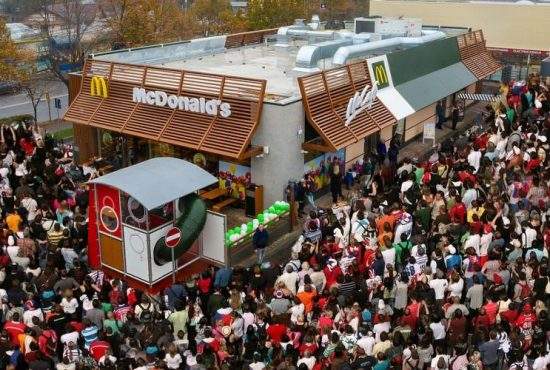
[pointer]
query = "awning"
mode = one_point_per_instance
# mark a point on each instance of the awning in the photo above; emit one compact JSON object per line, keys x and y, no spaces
{"x":158,"y":181}
{"x":204,"y":112}
{"x":426,"y":90}
{"x":326,"y":96}
{"x":478,"y":97}
{"x":475,"y":56}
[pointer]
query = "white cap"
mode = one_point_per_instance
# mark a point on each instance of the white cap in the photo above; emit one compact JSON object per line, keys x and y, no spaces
{"x":505,"y":221}
{"x":451,"y":249}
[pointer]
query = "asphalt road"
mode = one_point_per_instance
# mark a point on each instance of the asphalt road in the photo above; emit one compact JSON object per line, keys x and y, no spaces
{"x":16,"y":104}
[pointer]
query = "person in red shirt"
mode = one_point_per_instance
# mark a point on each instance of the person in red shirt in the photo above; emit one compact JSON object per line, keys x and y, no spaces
{"x":308,"y":345}
{"x":408,"y":319}
{"x":511,"y":314}
{"x":276,"y":332}
{"x":526,"y":320}
{"x":458,"y":211}
{"x":47,"y":342}
{"x":332,"y":271}
{"x":99,"y":348}
{"x":205,"y":283}
{"x":491,"y":309}
{"x":325,"y":321}
{"x":15,"y":327}
{"x":482,"y":320}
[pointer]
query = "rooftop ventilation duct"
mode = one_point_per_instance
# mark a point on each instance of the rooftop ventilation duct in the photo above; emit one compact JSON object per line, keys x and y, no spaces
{"x":309,"y":55}
{"x":346,"y":53}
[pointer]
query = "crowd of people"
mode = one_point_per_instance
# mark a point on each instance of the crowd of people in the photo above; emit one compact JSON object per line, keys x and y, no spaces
{"x":439,"y":264}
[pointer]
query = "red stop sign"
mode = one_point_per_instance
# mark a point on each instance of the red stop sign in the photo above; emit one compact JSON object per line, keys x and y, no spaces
{"x":173,"y":237}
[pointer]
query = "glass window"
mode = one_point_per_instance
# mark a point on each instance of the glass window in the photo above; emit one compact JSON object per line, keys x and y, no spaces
{"x":133,"y":212}
{"x":161,"y":215}
{"x":109,"y":219}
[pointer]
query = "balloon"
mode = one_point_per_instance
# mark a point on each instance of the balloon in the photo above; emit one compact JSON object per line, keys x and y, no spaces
{"x":255,"y":223}
{"x":249,"y":227}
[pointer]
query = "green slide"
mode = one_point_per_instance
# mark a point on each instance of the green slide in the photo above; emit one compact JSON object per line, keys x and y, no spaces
{"x":191,"y":223}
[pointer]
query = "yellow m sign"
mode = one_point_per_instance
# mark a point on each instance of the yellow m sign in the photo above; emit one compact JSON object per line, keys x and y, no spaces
{"x":99,"y":87}
{"x":380,"y":74}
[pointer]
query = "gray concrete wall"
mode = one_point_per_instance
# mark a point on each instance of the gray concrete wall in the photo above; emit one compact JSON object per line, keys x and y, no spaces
{"x":278,"y":129}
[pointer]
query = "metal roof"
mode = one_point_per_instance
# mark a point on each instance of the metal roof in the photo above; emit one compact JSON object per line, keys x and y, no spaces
{"x":158,"y":181}
{"x":426,"y":90}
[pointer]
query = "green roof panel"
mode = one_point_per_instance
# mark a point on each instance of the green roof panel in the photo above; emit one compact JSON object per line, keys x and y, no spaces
{"x":409,"y":64}
{"x":429,"y":88}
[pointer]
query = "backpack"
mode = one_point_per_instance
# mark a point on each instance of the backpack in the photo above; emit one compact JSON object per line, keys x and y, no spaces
{"x":146,"y":314}
{"x":525,"y":291}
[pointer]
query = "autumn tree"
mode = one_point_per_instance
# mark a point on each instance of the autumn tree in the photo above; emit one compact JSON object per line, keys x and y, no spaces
{"x":274,"y":13}
{"x":212,"y":16}
{"x":141,"y":22}
{"x":340,"y":9}
{"x":11,"y":57}
{"x":19,"y":67}
{"x":67,"y":24}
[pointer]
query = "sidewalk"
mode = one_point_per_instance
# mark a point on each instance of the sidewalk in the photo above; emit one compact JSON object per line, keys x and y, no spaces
{"x":278,"y":251}
{"x":417,"y":149}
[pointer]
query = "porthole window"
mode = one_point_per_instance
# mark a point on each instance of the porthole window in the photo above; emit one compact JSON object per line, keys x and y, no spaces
{"x":109,"y":219}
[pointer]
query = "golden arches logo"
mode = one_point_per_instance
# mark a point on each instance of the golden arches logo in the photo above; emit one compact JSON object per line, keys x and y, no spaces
{"x":380,"y":74}
{"x":99,"y":87}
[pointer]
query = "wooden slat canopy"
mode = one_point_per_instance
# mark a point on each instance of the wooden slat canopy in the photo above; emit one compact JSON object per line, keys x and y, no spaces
{"x":475,"y":56}
{"x":326,"y":95}
{"x":229,"y":137}
{"x":248,"y":38}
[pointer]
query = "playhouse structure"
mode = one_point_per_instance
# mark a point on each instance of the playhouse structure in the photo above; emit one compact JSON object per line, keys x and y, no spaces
{"x":147,"y":223}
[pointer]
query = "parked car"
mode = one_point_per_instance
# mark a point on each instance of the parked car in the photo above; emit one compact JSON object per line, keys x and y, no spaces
{"x":9,"y":87}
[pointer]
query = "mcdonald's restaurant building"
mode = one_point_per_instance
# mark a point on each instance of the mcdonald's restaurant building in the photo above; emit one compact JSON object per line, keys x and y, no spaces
{"x":240,"y":106}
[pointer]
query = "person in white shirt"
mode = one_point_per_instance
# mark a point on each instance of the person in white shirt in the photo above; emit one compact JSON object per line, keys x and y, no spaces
{"x":474,"y":158}
{"x":366,"y":341}
{"x":31,"y":206}
{"x":69,"y":304}
{"x":456,"y":285}
{"x":71,"y":337}
{"x":289,"y":278}
{"x":257,"y":364}
{"x":438,"y":329}
{"x":439,"y":285}
{"x":470,"y":194}
{"x":173,"y":358}
{"x":308,"y":360}
{"x":528,"y":236}
{"x":30,"y":313}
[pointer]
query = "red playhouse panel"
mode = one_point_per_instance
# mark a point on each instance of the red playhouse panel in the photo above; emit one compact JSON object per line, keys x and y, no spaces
{"x":94,"y":259}
{"x":108,"y":211}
